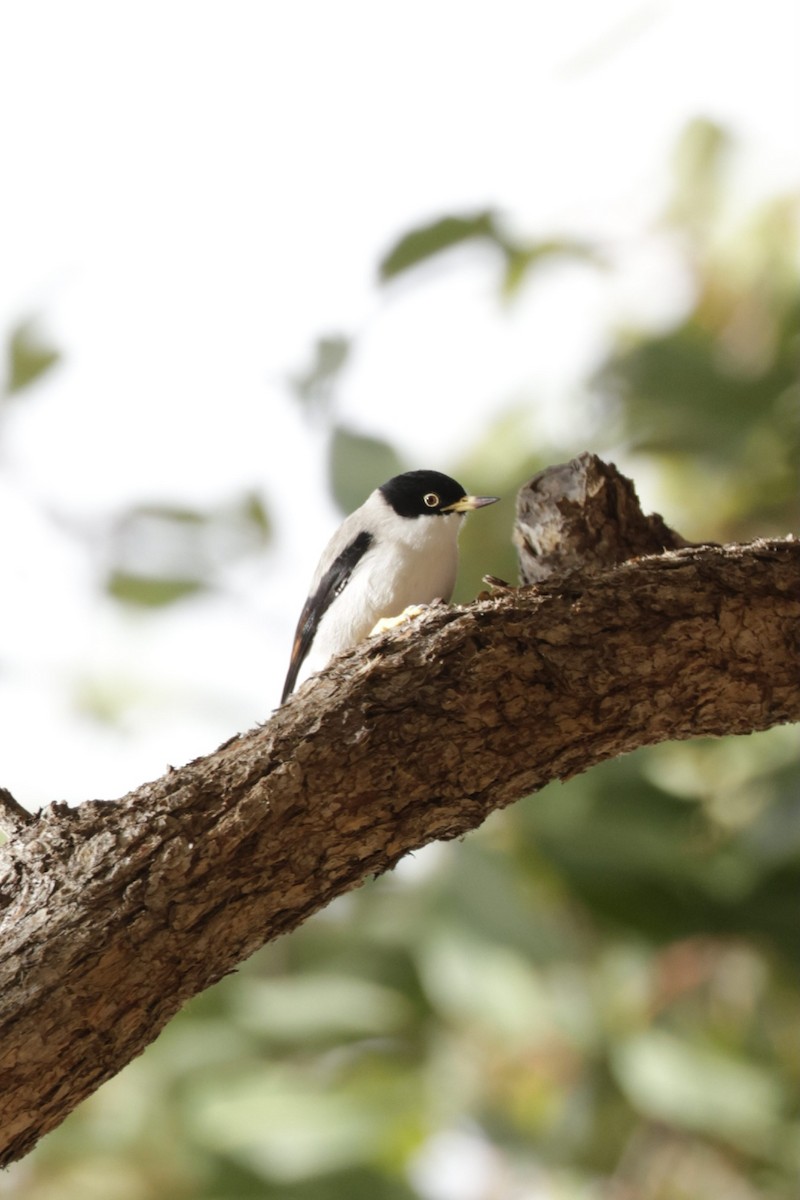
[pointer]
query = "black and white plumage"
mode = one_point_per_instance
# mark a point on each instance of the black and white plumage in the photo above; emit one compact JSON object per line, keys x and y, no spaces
{"x":399,"y":549}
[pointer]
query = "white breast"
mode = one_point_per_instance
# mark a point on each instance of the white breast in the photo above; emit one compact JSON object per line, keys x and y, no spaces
{"x":411,"y":561}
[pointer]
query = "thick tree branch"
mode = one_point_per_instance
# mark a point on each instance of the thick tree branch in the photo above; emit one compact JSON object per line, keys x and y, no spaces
{"x":116,"y":913}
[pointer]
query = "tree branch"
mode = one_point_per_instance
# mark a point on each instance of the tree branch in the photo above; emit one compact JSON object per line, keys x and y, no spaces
{"x":116,"y":913}
{"x":13,"y":817}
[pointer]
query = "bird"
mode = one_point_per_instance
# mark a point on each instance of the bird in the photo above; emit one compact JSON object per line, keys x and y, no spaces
{"x":397,"y":551}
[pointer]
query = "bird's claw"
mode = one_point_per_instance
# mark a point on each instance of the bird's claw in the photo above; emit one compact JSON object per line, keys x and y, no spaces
{"x":408,"y":614}
{"x":496,"y":586}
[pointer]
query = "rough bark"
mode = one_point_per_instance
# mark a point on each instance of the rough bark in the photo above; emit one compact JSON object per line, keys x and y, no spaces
{"x":582,"y":516}
{"x":116,"y":913}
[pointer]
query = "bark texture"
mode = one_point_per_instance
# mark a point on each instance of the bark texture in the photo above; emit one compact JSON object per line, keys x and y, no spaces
{"x":116,"y":913}
{"x":582,"y":516}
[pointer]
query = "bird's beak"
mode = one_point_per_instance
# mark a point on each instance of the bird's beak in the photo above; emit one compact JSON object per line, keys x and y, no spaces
{"x":468,"y":503}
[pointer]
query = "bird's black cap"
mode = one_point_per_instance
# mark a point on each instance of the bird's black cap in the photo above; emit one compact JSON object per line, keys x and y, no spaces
{"x":428,"y":493}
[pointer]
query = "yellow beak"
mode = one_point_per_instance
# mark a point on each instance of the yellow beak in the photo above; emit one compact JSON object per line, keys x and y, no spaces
{"x":468,"y":503}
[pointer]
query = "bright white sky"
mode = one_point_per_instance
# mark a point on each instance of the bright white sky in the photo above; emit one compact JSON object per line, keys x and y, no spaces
{"x":194,"y":192}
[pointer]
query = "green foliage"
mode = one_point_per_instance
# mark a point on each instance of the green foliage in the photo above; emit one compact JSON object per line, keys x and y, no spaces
{"x":427,"y":240}
{"x":518,"y":257}
{"x":149,"y":592}
{"x":648,"y":859}
{"x":314,"y":386}
{"x":700,"y":170}
{"x":29,"y":355}
{"x":718,"y":394}
{"x":715,"y":399}
{"x":160,"y":554}
{"x":358,"y":463}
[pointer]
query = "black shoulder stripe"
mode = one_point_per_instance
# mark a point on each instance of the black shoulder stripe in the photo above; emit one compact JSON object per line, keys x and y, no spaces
{"x":340,"y":571}
{"x":315,"y":607}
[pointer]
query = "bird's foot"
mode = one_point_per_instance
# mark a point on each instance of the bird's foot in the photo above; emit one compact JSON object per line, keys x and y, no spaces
{"x":408,"y":614}
{"x":496,"y":586}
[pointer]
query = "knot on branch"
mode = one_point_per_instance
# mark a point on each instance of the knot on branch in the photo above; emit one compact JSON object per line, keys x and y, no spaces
{"x":13,"y":817}
{"x":584,"y":515}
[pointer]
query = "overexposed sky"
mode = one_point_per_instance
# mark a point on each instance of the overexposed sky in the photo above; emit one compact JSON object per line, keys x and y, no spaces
{"x":193,"y":192}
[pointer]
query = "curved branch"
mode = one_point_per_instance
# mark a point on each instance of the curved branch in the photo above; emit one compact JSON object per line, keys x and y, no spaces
{"x":116,"y":913}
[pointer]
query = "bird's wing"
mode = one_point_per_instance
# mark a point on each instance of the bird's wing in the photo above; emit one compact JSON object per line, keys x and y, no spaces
{"x":331,"y":581}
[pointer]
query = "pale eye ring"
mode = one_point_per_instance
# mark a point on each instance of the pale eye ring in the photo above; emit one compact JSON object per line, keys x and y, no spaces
{"x":431,"y":499}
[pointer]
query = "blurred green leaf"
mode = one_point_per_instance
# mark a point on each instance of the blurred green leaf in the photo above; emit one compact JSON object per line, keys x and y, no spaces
{"x":520,"y":257}
{"x":282,"y":1125}
{"x":166,"y":513}
{"x":150,"y":593}
{"x":358,"y":463}
{"x":714,"y":400}
{"x":472,"y":980}
{"x":651,"y":862}
{"x":698,"y":1087}
{"x":161,"y":553}
{"x":524,"y":257}
{"x":314,"y":386}
{"x":28,"y":356}
{"x":255,"y":514}
{"x":678,"y":399}
{"x":701,"y":158}
{"x":319,"y":1007}
{"x":497,"y":900}
{"x":104,"y":699}
{"x":429,"y":240}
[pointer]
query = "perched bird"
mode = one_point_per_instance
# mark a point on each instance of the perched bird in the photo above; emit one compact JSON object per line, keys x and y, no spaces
{"x":399,"y":549}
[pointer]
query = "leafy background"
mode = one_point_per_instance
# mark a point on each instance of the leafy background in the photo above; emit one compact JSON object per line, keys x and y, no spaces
{"x":595,"y":997}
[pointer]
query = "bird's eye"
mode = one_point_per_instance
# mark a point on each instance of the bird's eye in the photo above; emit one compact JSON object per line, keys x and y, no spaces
{"x":431,"y":499}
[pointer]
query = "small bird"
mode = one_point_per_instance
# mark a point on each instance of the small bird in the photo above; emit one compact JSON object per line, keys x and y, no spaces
{"x":399,"y":549}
